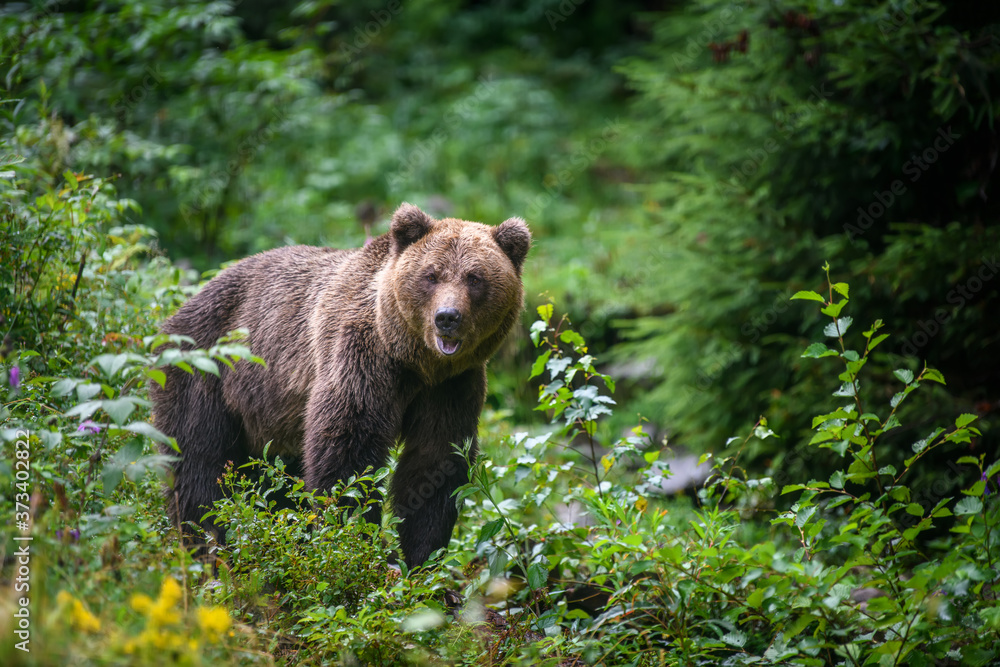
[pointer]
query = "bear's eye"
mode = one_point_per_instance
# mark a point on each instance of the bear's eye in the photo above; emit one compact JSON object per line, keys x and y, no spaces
{"x":474,"y":280}
{"x":432,"y":278}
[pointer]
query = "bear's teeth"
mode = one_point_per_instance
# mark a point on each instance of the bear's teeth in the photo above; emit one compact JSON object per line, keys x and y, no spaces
{"x":448,"y":345}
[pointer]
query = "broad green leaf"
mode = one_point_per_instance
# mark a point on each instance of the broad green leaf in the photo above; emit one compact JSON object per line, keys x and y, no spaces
{"x":545,"y":311}
{"x":817,"y":351}
{"x":63,"y":387}
{"x":838,"y":328}
{"x":833,"y":310}
{"x":808,"y":296}
{"x":489,"y":530}
{"x":965,"y":419}
{"x":876,"y":340}
{"x":148,"y":430}
{"x":571,"y":337}
{"x":205,"y":364}
{"x":931,"y":374}
{"x":970,"y":505}
{"x":905,"y":375}
{"x":538,"y":575}
{"x":158,"y":376}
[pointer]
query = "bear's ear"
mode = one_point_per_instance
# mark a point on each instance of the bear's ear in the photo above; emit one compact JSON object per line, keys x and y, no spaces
{"x":514,"y":239}
{"x":409,"y":225}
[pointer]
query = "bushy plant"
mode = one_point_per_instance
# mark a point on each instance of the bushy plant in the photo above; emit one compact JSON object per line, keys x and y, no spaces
{"x":865,"y":568}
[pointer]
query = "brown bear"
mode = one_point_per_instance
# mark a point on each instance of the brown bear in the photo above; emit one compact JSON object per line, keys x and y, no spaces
{"x":363,"y":347}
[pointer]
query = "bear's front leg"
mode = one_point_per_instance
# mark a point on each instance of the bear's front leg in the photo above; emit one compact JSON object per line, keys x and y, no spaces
{"x":352,"y":420}
{"x":429,"y":469}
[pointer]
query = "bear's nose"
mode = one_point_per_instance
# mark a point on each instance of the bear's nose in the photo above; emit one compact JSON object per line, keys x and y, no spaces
{"x":447,"y":319}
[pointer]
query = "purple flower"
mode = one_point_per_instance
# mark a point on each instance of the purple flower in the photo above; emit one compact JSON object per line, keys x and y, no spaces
{"x":15,"y":377}
{"x":74,"y":534}
{"x":89,"y":427}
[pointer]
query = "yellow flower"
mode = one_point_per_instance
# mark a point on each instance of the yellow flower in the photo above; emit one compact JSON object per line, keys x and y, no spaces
{"x":163,"y":614}
{"x":170,"y":592}
{"x":141,"y":603}
{"x":213,"y":621}
{"x":160,"y":611}
{"x":79,"y":617}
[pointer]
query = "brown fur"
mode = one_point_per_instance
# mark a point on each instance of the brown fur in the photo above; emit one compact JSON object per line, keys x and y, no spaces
{"x":351,"y":339}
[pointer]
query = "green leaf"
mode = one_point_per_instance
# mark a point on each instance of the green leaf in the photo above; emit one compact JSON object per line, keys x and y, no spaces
{"x":838,"y":328}
{"x":571,"y":337}
{"x":83,"y":410}
{"x":489,"y":530}
{"x":841,"y":447}
{"x":756,"y":598}
{"x":833,"y":310}
{"x":537,"y":329}
{"x":817,"y":351}
{"x":876,"y":340}
{"x":965,"y":419}
{"x":205,"y":364}
{"x":905,"y":375}
{"x":914,"y":509}
{"x":538,"y":575}
{"x":539,"y":365}
{"x":158,"y":376}
{"x":148,"y":430}
{"x":837,"y":479}
{"x":735,"y":638}
{"x":970,"y":505}
{"x":841,"y":288}
{"x":545,"y":312}
{"x":931,"y":374}
{"x":88,"y":390}
{"x":63,"y":387}
{"x":803,"y":515}
{"x":119,"y":408}
{"x":808,"y":296}
{"x":798,"y":625}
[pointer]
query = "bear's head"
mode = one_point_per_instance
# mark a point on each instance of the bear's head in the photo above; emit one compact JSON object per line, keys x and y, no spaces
{"x":454,"y":285}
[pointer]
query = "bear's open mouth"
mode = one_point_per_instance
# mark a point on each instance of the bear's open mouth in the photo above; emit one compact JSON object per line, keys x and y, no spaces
{"x":448,"y":346}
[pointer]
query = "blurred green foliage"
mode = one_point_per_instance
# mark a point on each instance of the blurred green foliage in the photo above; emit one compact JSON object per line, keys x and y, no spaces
{"x":772,"y":136}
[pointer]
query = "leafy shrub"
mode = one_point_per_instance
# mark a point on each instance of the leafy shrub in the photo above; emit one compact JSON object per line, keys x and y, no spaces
{"x":863,"y":569}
